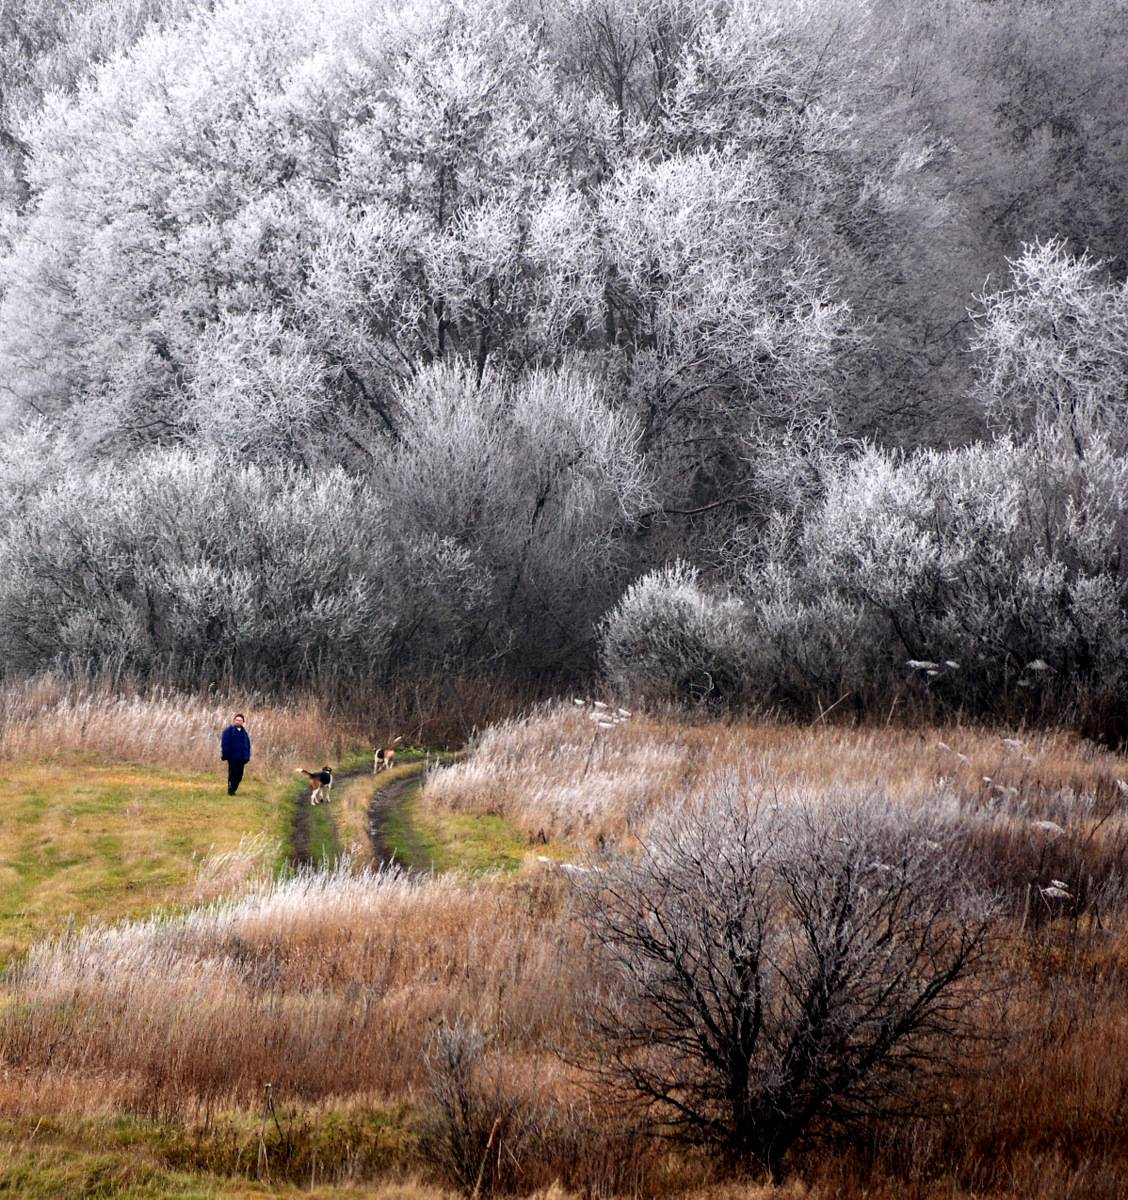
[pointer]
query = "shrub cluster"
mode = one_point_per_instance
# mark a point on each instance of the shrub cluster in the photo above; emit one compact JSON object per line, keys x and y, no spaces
{"x":984,"y":577}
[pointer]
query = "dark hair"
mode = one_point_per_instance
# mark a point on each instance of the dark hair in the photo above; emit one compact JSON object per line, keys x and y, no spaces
{"x":237,"y":716}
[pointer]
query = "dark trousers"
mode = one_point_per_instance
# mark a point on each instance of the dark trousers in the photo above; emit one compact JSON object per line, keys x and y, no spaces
{"x":234,"y":776}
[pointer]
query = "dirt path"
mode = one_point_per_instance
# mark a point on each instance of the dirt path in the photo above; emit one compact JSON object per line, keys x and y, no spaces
{"x":301,"y":831}
{"x":383,"y":809}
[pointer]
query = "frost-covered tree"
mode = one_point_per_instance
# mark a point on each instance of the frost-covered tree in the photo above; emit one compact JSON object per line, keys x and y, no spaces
{"x":724,"y":317}
{"x":622,"y":249}
{"x":48,"y":46}
{"x":186,"y":566}
{"x":1054,"y":345}
{"x":536,"y":481}
{"x":768,"y":967}
{"x":365,"y":191}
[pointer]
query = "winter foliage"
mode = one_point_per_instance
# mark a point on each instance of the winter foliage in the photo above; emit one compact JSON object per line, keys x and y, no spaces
{"x":355,"y":338}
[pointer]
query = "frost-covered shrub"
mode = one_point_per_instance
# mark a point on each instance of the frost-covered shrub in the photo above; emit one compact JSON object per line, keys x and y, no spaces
{"x":490,"y":531}
{"x":990,"y":577}
{"x":189,"y":565}
{"x":1055,"y":343}
{"x":995,"y":556}
{"x":668,"y":638}
{"x":1007,"y":559}
{"x":532,"y":480}
{"x":802,"y":649}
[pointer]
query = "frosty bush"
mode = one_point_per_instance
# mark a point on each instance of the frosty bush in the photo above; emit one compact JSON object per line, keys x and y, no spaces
{"x":996,"y":557}
{"x":191,"y":565}
{"x":1001,"y":568}
{"x":668,"y":638}
{"x":533,"y":480}
{"x":804,"y":651}
{"x":771,"y":966}
{"x":991,"y":577}
{"x":1055,"y":343}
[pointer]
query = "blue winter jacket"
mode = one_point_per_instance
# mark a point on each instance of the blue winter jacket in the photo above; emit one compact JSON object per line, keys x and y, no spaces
{"x":235,"y":746}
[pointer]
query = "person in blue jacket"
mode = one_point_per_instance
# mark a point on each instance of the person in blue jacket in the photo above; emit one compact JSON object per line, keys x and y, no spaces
{"x":235,"y":751}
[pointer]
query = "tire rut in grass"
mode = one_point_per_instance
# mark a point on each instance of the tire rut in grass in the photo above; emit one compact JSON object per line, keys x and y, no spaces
{"x":386,"y":805}
{"x":301,"y":835}
{"x":301,"y":829}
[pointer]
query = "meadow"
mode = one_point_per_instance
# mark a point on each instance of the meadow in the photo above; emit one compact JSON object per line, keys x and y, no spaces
{"x":183,"y":1016}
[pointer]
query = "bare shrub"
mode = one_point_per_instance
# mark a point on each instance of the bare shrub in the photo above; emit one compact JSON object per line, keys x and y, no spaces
{"x":472,"y":1112}
{"x":773,"y":967}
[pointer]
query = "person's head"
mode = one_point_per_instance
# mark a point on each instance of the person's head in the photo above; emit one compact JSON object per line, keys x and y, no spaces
{"x":237,"y":719}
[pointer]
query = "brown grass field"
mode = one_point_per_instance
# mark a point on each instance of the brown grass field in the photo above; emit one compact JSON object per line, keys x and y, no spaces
{"x":148,"y":1044}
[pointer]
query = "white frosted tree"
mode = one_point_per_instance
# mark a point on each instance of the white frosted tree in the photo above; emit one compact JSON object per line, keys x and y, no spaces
{"x":1054,"y":344}
{"x":536,"y":478}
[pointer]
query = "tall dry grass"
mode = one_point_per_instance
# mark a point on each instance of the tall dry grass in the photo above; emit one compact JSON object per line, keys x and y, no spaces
{"x":50,"y":715}
{"x":132,"y":721}
{"x":1038,"y":806}
{"x":323,"y":984}
{"x":1044,"y":1119}
{"x":330,"y":988}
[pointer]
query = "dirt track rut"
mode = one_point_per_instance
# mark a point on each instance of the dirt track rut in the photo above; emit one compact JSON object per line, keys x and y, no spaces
{"x":380,"y":808}
{"x":383,"y":803}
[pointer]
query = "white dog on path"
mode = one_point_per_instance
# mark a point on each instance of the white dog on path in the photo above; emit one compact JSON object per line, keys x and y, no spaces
{"x":385,"y":758}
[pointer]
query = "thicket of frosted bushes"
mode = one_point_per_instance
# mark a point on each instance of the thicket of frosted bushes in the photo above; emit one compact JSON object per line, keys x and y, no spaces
{"x":989,"y":577}
{"x":487,"y":534}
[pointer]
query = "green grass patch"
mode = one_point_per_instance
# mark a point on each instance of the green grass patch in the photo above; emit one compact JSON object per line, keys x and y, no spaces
{"x":411,"y":843}
{"x":324,"y":844}
{"x":88,"y":1175}
{"x":79,"y":841}
{"x":134,"y":1158}
{"x":439,"y":840}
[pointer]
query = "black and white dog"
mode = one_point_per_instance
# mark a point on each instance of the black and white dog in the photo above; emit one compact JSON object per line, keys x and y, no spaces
{"x":319,"y":783}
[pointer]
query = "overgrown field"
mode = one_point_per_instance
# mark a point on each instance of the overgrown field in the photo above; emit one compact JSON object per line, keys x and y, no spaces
{"x":356,"y":1027}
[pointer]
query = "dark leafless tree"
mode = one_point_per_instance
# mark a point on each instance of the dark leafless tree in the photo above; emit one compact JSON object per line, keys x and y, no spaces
{"x":772,"y":966}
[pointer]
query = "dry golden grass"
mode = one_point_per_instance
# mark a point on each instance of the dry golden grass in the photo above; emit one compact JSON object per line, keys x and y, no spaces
{"x":48,"y":717}
{"x":324,"y":985}
{"x":1037,"y":807}
{"x":556,"y":772}
{"x":329,"y":987}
